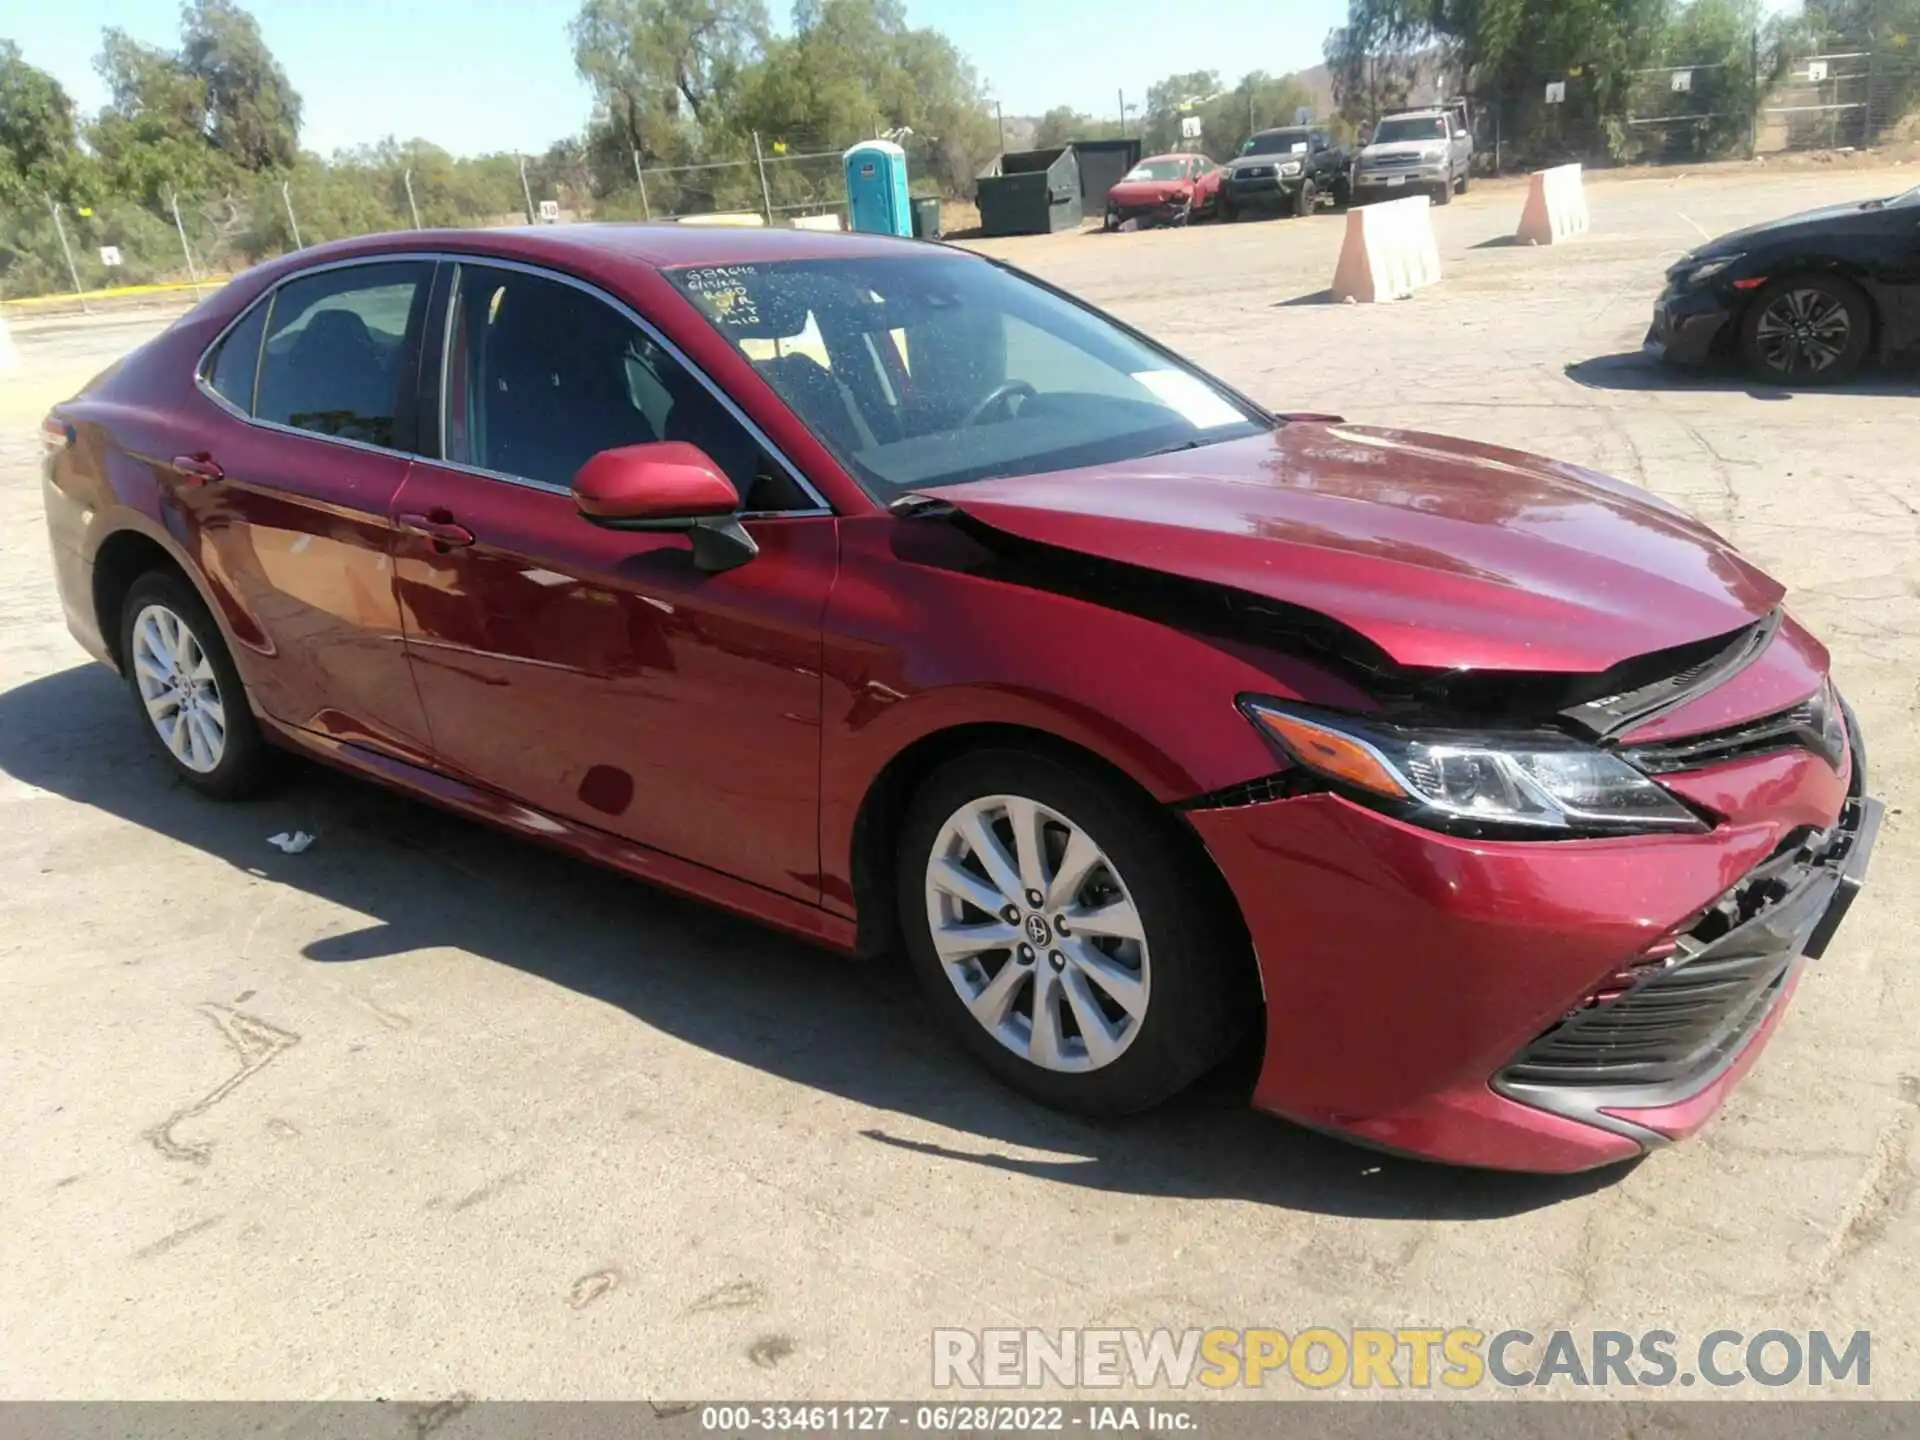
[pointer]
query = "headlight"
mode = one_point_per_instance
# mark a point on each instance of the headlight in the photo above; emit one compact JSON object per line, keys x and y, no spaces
{"x":1434,"y":152}
{"x":1539,"y":784}
{"x":1292,"y":167}
{"x":1700,"y":271}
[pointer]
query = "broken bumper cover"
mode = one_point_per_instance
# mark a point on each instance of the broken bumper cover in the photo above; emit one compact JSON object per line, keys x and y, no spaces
{"x":1406,"y":972}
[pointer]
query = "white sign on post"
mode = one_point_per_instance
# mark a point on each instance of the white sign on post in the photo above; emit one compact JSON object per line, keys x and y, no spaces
{"x":1556,"y":92}
{"x":1682,"y":82}
{"x":1816,"y":70}
{"x":1190,"y":127}
{"x":110,"y":256}
{"x":549,"y":211}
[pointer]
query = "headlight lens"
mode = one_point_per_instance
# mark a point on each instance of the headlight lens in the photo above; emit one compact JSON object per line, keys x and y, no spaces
{"x":1292,"y":167}
{"x":1535,"y":784}
{"x":1434,"y":152}
{"x":1701,"y":271}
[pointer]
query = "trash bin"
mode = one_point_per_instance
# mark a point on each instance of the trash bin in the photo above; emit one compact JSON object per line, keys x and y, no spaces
{"x":926,"y":218}
{"x":1036,"y":193}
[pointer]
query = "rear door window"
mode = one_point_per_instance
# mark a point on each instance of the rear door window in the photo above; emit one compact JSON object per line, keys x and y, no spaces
{"x":231,"y":368}
{"x":337,"y":348}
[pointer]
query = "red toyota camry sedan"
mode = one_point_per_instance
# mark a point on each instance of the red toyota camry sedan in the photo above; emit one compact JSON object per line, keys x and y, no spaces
{"x":879,"y":592}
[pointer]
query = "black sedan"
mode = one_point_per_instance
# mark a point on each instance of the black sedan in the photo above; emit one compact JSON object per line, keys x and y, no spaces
{"x":1802,"y":300}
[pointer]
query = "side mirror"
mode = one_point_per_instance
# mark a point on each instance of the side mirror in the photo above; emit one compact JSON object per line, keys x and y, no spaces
{"x":667,"y":485}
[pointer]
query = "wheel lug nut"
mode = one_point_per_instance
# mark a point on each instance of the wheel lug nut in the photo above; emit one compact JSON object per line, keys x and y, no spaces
{"x":1011,"y":915}
{"x":1026,"y":954}
{"x":1060,"y":925}
{"x":1057,"y":960}
{"x":1034,"y":897}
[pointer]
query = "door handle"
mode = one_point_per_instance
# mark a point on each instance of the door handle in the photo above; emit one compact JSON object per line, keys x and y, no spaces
{"x":200,"y":469}
{"x":445,"y":534}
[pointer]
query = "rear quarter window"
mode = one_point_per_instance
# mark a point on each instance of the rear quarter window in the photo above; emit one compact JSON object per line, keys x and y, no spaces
{"x":231,"y":368}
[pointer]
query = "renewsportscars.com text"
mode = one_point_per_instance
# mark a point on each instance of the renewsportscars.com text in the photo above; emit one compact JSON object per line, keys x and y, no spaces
{"x":1393,"y":1359}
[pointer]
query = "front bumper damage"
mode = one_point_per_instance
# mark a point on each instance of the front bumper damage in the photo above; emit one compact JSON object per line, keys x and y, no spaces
{"x":1687,"y":327}
{"x":1421,"y":987}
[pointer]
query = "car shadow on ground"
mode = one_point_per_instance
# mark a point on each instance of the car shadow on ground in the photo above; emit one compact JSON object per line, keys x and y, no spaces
{"x":1635,"y":370}
{"x":734,"y":989}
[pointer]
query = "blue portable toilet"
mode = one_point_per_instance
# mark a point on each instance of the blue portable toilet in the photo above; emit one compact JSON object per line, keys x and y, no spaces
{"x":877,"y":189}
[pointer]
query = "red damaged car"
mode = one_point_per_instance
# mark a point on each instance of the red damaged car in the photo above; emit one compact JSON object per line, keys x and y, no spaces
{"x":893,"y":598}
{"x":1165,"y":190}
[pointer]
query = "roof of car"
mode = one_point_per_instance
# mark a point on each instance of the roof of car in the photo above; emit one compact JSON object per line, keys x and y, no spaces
{"x":1425,"y":112}
{"x":1174,"y":155}
{"x":658,"y":245}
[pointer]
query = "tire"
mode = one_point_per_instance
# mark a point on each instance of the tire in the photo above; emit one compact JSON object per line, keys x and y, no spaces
{"x":1444,"y":194}
{"x":1229,"y":211}
{"x":1306,"y":199}
{"x":1170,"y":1003}
{"x":1343,"y":193}
{"x":1464,"y":183}
{"x":212,"y":742}
{"x":1111,"y":222}
{"x":1838,"y":321}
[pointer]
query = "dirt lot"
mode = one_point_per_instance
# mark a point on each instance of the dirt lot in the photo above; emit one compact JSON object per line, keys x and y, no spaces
{"x":424,"y":1111}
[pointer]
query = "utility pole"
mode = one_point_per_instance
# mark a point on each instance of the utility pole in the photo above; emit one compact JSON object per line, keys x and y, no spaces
{"x":1123,"y":114}
{"x":1000,"y":114}
{"x":286,"y":200}
{"x":193,"y":271}
{"x":640,"y":178}
{"x":406,"y":179}
{"x":766,"y":197}
{"x":525,"y":193}
{"x":67,"y":250}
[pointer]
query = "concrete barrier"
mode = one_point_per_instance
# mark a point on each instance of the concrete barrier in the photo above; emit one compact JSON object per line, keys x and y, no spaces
{"x":742,"y":218}
{"x":9,"y":357}
{"x":830,"y":221}
{"x":1389,"y":251}
{"x":1556,"y":207}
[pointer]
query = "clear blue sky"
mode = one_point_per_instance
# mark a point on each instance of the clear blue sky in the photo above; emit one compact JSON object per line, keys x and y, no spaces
{"x":481,"y":75}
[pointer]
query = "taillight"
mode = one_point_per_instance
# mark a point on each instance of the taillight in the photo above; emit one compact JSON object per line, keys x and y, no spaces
{"x":55,"y":435}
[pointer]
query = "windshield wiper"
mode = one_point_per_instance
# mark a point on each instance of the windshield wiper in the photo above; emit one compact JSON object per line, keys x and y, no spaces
{"x":1193,"y":444}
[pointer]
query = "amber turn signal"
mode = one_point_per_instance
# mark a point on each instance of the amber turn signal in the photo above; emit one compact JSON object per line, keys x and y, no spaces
{"x":1330,"y":753}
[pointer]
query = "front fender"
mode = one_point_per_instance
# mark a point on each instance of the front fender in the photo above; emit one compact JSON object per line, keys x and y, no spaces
{"x":923,"y":638}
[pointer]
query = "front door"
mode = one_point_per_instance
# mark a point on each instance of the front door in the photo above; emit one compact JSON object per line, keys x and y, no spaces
{"x":596,"y":674}
{"x":293,"y":494}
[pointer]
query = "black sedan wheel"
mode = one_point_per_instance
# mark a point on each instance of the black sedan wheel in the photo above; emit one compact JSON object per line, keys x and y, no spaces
{"x":1806,"y":330}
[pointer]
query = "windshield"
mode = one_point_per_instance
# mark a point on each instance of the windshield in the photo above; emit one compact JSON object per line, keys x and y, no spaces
{"x":1425,"y":127}
{"x":1158,"y":170}
{"x":1276,"y":142}
{"x":921,"y":371}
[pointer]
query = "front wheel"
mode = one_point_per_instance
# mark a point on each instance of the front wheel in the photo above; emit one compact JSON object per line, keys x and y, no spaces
{"x":1066,"y":937}
{"x":185,"y":683}
{"x":1443,"y":193}
{"x":1806,"y":330}
{"x":1305,"y":198}
{"x":1229,"y":210}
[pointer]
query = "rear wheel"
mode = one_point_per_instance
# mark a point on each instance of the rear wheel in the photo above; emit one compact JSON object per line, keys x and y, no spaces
{"x":188,"y":690}
{"x":1066,"y":938}
{"x":1806,"y":330}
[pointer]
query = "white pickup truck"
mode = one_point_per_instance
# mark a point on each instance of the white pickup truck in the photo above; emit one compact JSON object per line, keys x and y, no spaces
{"x":1414,"y":151}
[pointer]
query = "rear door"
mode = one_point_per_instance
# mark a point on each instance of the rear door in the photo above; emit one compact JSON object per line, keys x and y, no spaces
{"x":595,"y":674}
{"x":294,"y":492}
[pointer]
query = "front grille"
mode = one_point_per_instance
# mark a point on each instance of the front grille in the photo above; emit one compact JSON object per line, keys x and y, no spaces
{"x":1814,"y":724}
{"x":1392,"y":162}
{"x":1253,"y":172}
{"x":1726,"y":658}
{"x":1683,"y":1015}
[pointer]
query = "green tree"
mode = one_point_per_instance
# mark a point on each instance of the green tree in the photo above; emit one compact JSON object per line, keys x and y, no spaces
{"x":151,"y":137}
{"x":660,"y":66}
{"x":39,"y":149}
{"x":252,"y":112}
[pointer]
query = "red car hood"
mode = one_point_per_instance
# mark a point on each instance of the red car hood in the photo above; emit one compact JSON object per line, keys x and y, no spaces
{"x":1444,"y":553}
{"x":1145,"y":192}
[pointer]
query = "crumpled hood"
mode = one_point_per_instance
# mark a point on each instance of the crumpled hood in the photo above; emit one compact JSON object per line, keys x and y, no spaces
{"x":1444,"y":553}
{"x":1147,"y":192}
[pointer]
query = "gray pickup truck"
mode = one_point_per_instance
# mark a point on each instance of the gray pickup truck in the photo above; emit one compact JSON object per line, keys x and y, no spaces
{"x":1416,"y":151}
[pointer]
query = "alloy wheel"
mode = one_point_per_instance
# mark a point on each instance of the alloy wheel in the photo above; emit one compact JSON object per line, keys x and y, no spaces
{"x":179,"y":689}
{"x":1038,"y":934}
{"x":1803,"y":331}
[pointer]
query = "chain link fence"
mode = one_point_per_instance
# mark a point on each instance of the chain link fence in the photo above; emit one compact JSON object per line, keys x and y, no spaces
{"x":170,"y":238}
